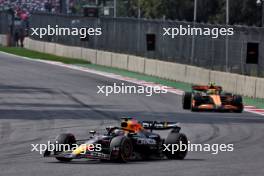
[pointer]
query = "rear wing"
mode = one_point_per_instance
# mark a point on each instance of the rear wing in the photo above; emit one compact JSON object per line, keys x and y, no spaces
{"x":203,"y":88}
{"x":154,"y":125}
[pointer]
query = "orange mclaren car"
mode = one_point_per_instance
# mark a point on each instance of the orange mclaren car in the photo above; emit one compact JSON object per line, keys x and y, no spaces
{"x":211,"y":97}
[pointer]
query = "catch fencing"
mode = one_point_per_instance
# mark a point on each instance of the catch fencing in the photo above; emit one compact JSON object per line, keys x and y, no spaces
{"x":132,"y":36}
{"x":4,"y":22}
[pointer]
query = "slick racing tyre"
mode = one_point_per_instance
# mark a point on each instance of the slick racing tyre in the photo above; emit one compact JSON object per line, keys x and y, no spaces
{"x":178,"y":139}
{"x":121,"y":149}
{"x":238,"y":102}
{"x":65,"y":138}
{"x":187,"y":100}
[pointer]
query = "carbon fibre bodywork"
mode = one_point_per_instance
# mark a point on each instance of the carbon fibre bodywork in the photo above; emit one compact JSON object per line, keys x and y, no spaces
{"x":133,"y":140}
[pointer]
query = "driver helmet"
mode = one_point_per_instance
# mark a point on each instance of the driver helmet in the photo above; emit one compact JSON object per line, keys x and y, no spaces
{"x":119,"y":132}
{"x":132,"y":125}
{"x":211,"y":84}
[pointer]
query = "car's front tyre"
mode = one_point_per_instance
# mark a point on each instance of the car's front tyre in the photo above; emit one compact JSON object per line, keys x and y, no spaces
{"x":238,"y":102}
{"x":187,"y":100}
{"x":65,"y":138}
{"x":121,"y":149}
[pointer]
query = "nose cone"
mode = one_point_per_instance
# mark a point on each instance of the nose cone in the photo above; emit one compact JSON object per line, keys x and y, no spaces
{"x":217,"y":100}
{"x":79,"y":150}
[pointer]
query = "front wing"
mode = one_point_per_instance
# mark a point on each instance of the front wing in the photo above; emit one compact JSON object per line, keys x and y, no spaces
{"x":216,"y":108}
{"x":88,"y":155}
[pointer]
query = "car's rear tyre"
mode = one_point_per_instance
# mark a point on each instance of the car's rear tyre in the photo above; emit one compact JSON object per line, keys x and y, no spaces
{"x":198,"y":101}
{"x":121,"y":149}
{"x":238,"y":102}
{"x":65,"y":138}
{"x":178,"y":139}
{"x":187,"y":100}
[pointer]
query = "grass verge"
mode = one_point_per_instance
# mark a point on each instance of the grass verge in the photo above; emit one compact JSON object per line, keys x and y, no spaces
{"x":178,"y":85}
{"x":259,"y":103}
{"x":39,"y":55}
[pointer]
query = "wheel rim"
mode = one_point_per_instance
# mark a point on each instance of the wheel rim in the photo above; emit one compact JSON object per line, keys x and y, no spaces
{"x":183,"y":140}
{"x":126,"y":150}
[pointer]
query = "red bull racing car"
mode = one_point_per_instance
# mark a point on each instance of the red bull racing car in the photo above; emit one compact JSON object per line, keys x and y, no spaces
{"x":132,"y":140}
{"x":212,"y":98}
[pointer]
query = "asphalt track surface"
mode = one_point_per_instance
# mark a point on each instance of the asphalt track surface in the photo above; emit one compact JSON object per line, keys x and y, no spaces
{"x":39,"y":101}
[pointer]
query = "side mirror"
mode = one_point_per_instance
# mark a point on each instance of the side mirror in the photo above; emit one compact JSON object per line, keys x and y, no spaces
{"x":92,"y":132}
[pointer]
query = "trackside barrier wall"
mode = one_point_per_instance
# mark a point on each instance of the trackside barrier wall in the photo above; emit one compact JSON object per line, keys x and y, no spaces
{"x":3,"y":40}
{"x":178,"y":71}
{"x":209,"y":53}
{"x":75,"y":52}
{"x":119,"y":61}
{"x":50,"y":48}
{"x":60,"y":50}
{"x":235,"y":83}
{"x":151,"y":67}
{"x":227,"y":80}
{"x":170,"y":71}
{"x":136,"y":64}
{"x":67,"y":51}
{"x":104,"y":58}
{"x":259,"y":87}
{"x":197,"y":75}
{"x":250,"y":86}
{"x":89,"y":55}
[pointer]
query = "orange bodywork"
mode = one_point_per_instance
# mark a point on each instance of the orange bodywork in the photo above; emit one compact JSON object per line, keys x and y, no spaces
{"x":214,"y":99}
{"x":202,"y":88}
{"x":133,"y":125}
{"x":217,"y":104}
